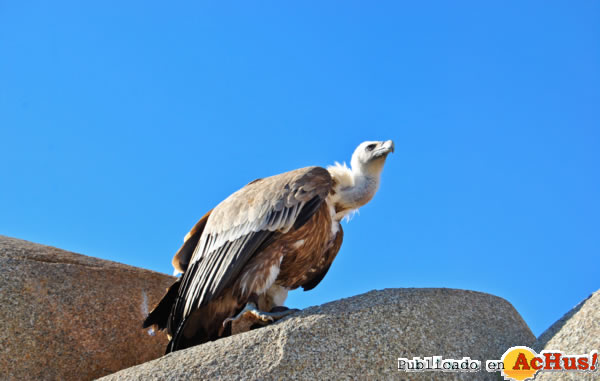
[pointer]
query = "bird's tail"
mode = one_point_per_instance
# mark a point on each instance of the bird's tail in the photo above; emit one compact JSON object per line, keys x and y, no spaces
{"x":159,"y":316}
{"x":174,"y":343}
{"x":205,"y":328}
{"x":179,"y":341}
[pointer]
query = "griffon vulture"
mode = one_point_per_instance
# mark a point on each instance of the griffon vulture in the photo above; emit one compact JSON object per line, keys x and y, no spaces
{"x":273,"y":235}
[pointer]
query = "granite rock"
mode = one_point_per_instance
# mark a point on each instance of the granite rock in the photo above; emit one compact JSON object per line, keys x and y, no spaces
{"x":360,"y":337}
{"x":577,"y":332}
{"x":66,"y":316}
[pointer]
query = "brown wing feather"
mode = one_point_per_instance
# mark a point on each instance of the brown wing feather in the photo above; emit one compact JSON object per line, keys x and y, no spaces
{"x":328,"y":258}
{"x":184,"y":254}
{"x":301,"y":264}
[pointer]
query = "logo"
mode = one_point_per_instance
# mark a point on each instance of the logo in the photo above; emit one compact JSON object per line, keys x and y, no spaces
{"x":523,"y":363}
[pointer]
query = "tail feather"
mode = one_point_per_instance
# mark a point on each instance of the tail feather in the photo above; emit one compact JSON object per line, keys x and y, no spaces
{"x":179,"y":341}
{"x":174,"y":343}
{"x":200,"y":327}
{"x":159,"y":316}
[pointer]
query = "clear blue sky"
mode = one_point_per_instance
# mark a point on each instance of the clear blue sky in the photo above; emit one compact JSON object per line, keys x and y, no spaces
{"x":122,"y":123}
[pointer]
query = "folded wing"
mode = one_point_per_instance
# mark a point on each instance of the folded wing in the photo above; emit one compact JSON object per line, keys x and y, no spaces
{"x":242,"y":225}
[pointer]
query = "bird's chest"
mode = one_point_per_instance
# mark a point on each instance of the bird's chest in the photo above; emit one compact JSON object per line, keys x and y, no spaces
{"x":304,"y":251}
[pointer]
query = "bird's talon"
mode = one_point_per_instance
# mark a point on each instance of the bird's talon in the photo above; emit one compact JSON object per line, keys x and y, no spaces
{"x":250,"y":315}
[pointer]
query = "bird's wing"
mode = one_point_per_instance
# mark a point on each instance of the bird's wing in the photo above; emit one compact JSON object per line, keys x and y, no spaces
{"x":184,"y":254}
{"x":190,"y":241}
{"x":241,"y":225}
{"x":327,"y":261}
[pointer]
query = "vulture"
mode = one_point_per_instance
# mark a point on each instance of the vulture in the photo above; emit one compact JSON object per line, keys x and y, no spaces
{"x":274,"y":235}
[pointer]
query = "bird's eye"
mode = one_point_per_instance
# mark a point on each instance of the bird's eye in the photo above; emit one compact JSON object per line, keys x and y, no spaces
{"x":371,"y":147}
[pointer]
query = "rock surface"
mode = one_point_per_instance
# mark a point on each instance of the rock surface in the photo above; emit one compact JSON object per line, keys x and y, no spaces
{"x":66,"y":316}
{"x":578,"y":332}
{"x":359,"y":337}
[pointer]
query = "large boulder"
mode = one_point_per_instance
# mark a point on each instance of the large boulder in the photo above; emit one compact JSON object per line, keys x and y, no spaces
{"x":576,"y":333}
{"x":359,"y":337}
{"x":66,"y":316}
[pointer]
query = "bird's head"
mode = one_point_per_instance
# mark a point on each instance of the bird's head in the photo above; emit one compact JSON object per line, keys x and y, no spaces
{"x":369,"y":157}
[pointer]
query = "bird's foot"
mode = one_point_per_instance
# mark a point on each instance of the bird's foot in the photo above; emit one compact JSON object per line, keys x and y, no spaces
{"x":251,"y":316}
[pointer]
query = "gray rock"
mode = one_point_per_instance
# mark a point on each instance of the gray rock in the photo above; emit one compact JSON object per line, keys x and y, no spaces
{"x":66,"y":316}
{"x":578,"y":332}
{"x":356,"y":338}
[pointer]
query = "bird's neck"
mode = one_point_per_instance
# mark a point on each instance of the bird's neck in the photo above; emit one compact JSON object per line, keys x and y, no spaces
{"x":353,"y":188}
{"x":363,"y":190}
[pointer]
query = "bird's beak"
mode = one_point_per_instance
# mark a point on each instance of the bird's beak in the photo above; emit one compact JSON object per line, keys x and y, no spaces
{"x":386,"y":147}
{"x":389,"y":145}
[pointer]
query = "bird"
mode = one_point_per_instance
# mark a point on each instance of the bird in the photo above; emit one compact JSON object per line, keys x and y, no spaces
{"x":274,"y":235}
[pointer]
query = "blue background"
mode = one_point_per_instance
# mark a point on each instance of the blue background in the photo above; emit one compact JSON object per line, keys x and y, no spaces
{"x":122,"y":123}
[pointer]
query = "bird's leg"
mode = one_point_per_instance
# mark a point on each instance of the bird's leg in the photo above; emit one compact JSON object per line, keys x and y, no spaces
{"x":250,"y":315}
